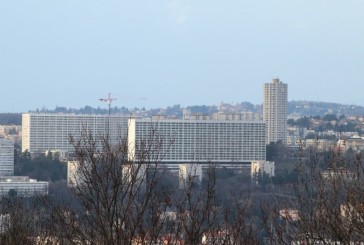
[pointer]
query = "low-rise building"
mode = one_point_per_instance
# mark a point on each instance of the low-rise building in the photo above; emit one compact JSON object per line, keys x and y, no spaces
{"x":22,"y":186}
{"x":266,"y":167}
{"x":319,"y":144}
{"x":289,"y":214}
{"x":6,"y":157}
{"x":73,"y":178}
{"x":355,"y":143}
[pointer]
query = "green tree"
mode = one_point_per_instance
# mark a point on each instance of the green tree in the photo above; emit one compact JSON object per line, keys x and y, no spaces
{"x":303,"y":122}
{"x":275,"y":151}
{"x":25,"y":156}
{"x":330,"y":117}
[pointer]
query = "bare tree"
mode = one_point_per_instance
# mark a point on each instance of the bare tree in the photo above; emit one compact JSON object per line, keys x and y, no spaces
{"x":25,"y":220}
{"x":325,"y":205}
{"x":116,"y":199}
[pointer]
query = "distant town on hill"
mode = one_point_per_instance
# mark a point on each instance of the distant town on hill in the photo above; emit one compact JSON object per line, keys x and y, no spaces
{"x":296,"y":109}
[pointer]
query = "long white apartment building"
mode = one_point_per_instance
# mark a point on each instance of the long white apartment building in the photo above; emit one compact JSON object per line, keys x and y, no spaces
{"x":42,"y":132}
{"x":185,"y":141}
{"x":275,"y":110}
{"x":6,"y":157}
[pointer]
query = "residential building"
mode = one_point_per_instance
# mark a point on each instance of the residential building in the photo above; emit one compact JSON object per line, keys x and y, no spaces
{"x":6,"y":157}
{"x":189,"y":172}
{"x":319,"y":144}
{"x":275,"y":111}
{"x":73,"y":178}
{"x":42,"y":132}
{"x":243,"y":116}
{"x":11,"y":132}
{"x":289,"y":214}
{"x":356,"y":143}
{"x":295,"y":136}
{"x":22,"y":186}
{"x":266,"y":167}
{"x":203,"y":141}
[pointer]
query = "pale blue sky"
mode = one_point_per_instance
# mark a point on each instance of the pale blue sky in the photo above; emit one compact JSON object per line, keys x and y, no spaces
{"x":72,"y":52}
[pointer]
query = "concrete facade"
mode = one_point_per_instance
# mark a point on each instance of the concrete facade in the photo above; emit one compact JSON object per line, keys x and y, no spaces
{"x":6,"y":157}
{"x":275,"y":111}
{"x":42,"y":132}
{"x":23,"y":186}
{"x":185,"y":141}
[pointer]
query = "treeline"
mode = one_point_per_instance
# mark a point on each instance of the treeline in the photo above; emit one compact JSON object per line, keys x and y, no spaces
{"x":330,"y":122}
{"x":302,"y":108}
{"x":10,"y":118}
{"x":44,"y":168}
{"x":175,"y":110}
{"x":310,"y":108}
{"x":84,"y":110}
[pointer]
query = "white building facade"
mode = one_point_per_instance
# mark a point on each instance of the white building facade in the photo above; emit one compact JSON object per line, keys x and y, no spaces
{"x":23,"y":186}
{"x":275,"y":111}
{"x":266,"y":167}
{"x":42,"y":132}
{"x":6,"y":157}
{"x":186,"y":141}
{"x":72,"y":176}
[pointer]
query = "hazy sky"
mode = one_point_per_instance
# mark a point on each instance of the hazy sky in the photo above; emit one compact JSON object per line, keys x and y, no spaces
{"x":72,"y":52}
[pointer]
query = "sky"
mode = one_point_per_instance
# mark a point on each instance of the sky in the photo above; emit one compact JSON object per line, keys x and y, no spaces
{"x":164,"y":52}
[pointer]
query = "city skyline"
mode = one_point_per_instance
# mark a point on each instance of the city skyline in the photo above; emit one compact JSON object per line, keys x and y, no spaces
{"x":71,"y":54}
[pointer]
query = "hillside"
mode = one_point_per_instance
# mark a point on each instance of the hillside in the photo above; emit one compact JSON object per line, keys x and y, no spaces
{"x":313,"y":108}
{"x":295,"y":108}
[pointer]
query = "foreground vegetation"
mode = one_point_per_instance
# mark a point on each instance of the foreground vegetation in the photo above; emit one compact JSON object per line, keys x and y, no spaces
{"x":116,"y":201}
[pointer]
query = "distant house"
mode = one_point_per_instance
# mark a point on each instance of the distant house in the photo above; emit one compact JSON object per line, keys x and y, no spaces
{"x":216,"y":237}
{"x":289,"y":214}
{"x":332,"y":173}
{"x":355,"y":143}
